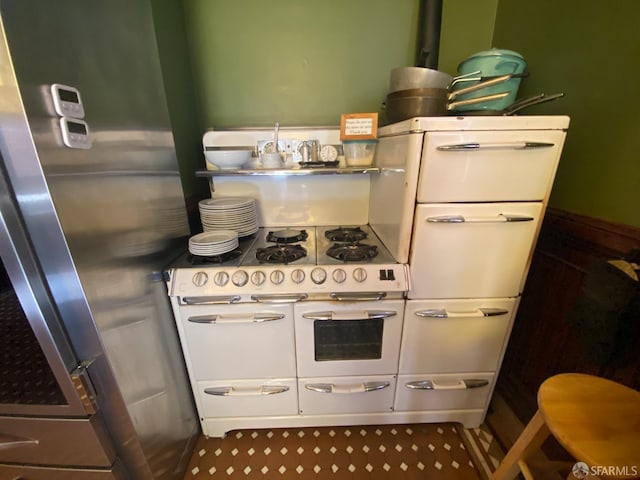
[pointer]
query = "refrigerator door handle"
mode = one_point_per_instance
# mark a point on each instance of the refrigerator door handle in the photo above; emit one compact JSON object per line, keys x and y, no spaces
{"x":501,"y":218}
{"x":485,"y":146}
{"x":466,"y":383}
{"x":479,"y":312}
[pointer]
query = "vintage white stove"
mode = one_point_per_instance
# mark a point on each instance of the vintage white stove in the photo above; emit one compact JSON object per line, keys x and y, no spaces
{"x":406,"y":317}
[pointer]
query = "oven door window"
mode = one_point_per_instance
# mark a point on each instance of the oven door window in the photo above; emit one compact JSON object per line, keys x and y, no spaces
{"x":348,"y":339}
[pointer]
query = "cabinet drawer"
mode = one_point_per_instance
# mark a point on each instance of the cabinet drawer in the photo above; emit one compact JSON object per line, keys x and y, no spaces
{"x":447,"y":336}
{"x":483,"y":166}
{"x":248,"y":398}
{"x":472,"y":250}
{"x":55,"y":441}
{"x":337,"y":395}
{"x":443,"y":392}
{"x":239,"y":341}
{"x":19,"y":472}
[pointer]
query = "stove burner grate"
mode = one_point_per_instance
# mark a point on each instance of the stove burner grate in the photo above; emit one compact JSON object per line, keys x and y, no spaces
{"x":280,"y":253}
{"x":214,"y":259}
{"x":346,"y":234}
{"x":288,"y":235}
{"x":353,"y":252}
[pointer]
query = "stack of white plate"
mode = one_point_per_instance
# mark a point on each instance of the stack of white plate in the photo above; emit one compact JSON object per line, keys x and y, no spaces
{"x":229,"y":213}
{"x":208,"y":244}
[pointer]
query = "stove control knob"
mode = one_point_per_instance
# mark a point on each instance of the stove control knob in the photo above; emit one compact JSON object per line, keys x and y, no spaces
{"x":339,"y":275}
{"x":221,"y":279}
{"x":240,"y":278}
{"x":359,"y":275}
{"x":297,"y":276}
{"x":318,"y":275}
{"x":277,"y":277}
{"x":258,"y":278}
{"x":200,"y":279}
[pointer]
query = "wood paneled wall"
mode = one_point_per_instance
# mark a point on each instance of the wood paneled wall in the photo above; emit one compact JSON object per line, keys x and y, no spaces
{"x":542,"y":342}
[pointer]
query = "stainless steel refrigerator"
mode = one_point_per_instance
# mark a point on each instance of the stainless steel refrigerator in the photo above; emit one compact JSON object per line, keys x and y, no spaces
{"x":92,"y":382}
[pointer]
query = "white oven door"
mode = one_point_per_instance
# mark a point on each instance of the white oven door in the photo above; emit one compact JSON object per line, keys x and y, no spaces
{"x":239,"y":341}
{"x":472,"y":250}
{"x":348,"y":338}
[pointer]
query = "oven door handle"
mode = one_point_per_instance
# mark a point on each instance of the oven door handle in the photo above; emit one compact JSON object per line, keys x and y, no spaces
{"x":280,"y":298}
{"x":347,"y":388}
{"x":367,"y":315}
{"x":246,"y":391}
{"x":219,"y":318}
{"x":211,"y":300}
{"x":357,"y":296}
{"x":485,"y":146}
{"x":501,"y":218}
{"x":459,"y":385}
{"x":443,"y":313}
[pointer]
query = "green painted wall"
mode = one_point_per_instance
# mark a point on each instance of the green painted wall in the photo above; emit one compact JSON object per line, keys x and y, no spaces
{"x":591,"y":51}
{"x":256,"y":62}
{"x":182,"y":97}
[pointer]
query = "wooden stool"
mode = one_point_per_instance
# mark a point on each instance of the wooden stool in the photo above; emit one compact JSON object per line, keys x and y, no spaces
{"x":596,"y":420}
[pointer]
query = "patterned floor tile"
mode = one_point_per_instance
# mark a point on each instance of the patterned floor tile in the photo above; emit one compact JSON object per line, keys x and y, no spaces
{"x":415,"y":451}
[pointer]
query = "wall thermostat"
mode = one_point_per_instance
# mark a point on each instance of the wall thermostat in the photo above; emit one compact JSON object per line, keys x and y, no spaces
{"x":75,"y":133}
{"x":67,"y":101}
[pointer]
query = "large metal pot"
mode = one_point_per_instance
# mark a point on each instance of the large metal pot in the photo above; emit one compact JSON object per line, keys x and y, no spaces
{"x":436,"y":104}
{"x":493,"y":63}
{"x":405,"y":78}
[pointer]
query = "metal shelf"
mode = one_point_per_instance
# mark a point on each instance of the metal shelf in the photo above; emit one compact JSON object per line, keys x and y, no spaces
{"x":287,"y":171}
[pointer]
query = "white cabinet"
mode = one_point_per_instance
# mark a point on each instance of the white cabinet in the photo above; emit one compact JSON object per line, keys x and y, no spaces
{"x":477,"y":201}
{"x":472,"y":250}
{"x":488,"y":166}
{"x":449,"y":336}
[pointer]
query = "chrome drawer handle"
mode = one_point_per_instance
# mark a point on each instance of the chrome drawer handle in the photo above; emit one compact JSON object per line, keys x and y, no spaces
{"x":443,"y":313}
{"x":501,"y":218}
{"x":459,"y":385}
{"x":355,"y":296}
{"x":484,"y":146}
{"x":349,"y":388}
{"x":367,"y":315}
{"x":10,"y":441}
{"x":246,"y":392}
{"x":218,"y":318}
{"x":213,"y":300}
{"x":280,"y":298}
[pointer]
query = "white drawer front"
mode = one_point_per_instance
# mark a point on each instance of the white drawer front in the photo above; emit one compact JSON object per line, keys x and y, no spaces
{"x":443,"y":392}
{"x":447,"y":336}
{"x":248,"y":398}
{"x":472,"y":250}
{"x":336,"y":395}
{"x":236,"y":346}
{"x":482,"y":166}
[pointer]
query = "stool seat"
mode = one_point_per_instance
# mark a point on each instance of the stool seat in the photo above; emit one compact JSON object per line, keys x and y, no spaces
{"x":596,"y":420}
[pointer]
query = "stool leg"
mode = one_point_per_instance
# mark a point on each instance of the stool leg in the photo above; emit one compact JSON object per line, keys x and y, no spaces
{"x":530,"y":440}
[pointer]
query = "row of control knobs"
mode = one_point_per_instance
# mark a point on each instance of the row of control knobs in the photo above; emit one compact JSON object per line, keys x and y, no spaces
{"x":240,"y":278}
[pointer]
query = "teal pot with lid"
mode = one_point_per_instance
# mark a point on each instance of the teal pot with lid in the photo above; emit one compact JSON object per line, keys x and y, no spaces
{"x":489,"y":64}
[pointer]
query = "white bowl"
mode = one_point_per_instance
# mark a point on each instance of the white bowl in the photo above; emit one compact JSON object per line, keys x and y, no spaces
{"x":227,"y":158}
